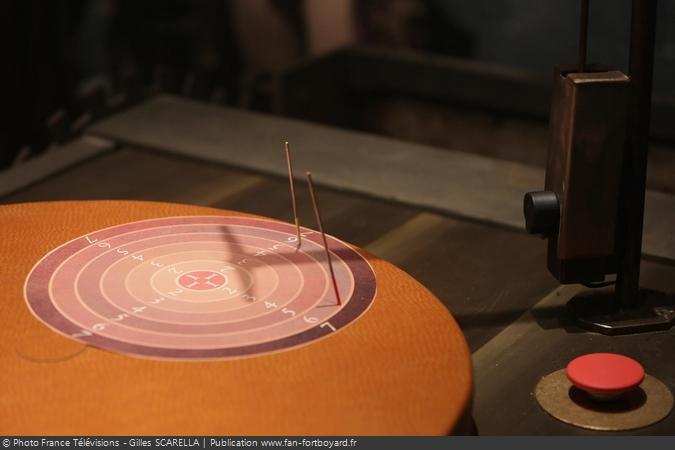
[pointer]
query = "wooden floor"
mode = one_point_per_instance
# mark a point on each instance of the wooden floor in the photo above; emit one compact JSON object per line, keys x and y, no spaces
{"x":492,"y":279}
{"x":456,"y":183}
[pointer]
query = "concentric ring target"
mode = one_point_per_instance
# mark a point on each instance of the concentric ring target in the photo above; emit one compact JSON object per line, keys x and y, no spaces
{"x":199,"y":287}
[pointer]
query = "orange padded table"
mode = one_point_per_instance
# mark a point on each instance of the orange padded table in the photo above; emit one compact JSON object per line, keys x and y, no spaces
{"x":211,"y":322}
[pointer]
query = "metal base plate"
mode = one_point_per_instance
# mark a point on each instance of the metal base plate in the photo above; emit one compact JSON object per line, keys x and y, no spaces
{"x":597,"y":311}
{"x":644,"y":406}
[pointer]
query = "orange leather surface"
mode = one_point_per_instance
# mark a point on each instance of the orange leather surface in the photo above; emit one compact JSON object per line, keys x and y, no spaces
{"x":402,"y":368}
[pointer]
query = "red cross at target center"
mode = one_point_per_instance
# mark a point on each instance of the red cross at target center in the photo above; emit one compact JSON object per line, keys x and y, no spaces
{"x":201,"y":280}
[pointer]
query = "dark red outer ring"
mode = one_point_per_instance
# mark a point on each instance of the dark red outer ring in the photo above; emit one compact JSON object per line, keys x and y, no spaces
{"x":37,"y":292}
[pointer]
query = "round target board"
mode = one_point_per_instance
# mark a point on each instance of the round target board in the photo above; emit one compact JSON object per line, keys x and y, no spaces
{"x":126,"y":318}
{"x":199,"y":287}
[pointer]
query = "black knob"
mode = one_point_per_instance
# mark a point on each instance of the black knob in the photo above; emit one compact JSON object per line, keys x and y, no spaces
{"x":542,"y":212}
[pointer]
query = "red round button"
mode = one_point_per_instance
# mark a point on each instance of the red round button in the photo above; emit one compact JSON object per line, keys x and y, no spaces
{"x":605,"y":375}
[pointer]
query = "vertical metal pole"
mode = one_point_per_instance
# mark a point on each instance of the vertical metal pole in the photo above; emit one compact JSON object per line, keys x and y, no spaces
{"x":641,"y":64}
{"x":583,"y":35}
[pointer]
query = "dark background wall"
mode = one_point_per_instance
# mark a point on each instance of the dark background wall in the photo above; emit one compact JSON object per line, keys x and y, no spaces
{"x":70,"y":61}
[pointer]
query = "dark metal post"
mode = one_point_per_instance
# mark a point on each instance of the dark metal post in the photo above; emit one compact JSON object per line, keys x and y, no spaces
{"x":583,"y":35}
{"x":641,"y":63}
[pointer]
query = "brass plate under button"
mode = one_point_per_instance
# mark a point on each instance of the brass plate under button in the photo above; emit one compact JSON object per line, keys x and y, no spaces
{"x":642,"y":407}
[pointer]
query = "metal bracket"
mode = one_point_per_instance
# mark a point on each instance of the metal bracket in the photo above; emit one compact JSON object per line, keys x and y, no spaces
{"x":598,"y":312}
